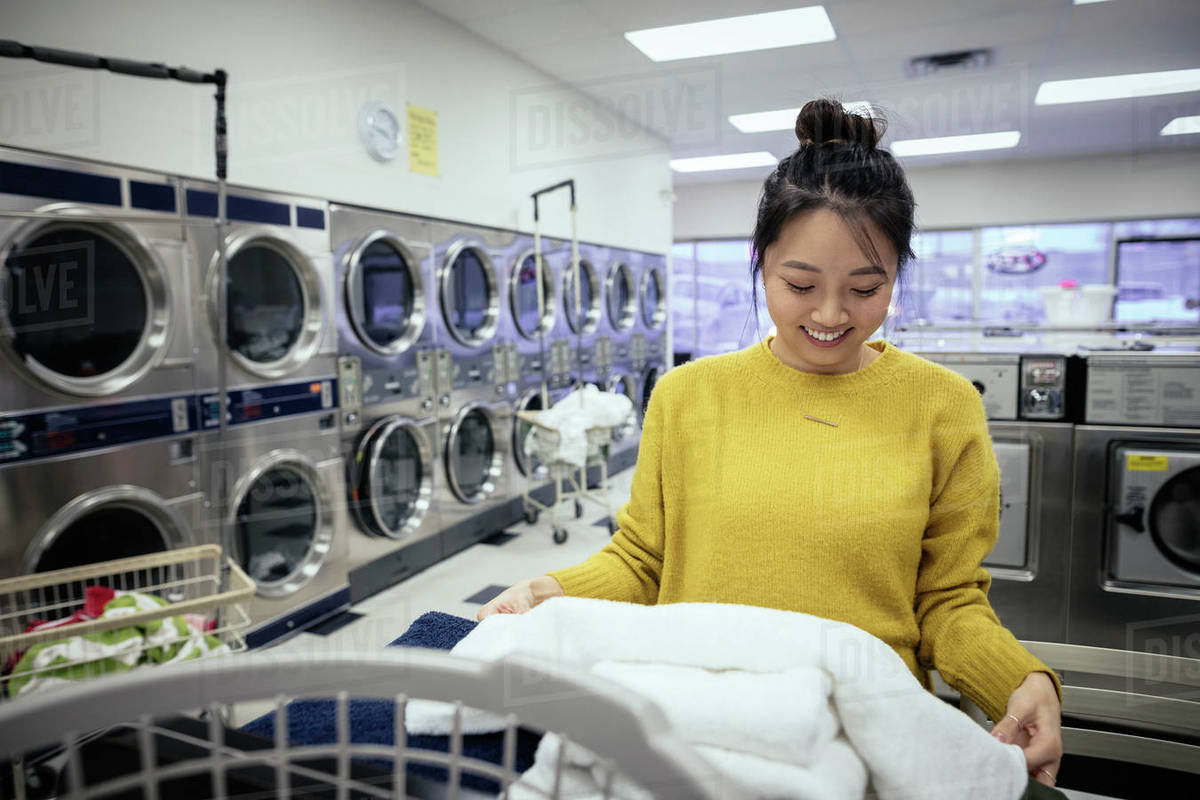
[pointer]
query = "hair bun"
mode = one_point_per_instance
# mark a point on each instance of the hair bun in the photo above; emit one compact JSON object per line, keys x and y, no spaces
{"x":824,"y":122}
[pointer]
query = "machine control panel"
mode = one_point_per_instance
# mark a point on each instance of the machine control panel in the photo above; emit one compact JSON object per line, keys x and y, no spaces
{"x":426,"y":381}
{"x":351,"y":395}
{"x":60,"y":431}
{"x":637,"y":350}
{"x":443,"y":376}
{"x":560,"y":363}
{"x":269,"y":402}
{"x":1043,"y":387}
{"x":1147,"y":390}
{"x":995,"y":377}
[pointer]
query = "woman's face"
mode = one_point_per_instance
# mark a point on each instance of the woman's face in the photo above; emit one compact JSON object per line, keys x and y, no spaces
{"x":824,"y":294}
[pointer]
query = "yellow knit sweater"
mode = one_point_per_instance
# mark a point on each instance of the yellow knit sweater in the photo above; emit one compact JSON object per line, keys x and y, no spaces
{"x":881,"y":522}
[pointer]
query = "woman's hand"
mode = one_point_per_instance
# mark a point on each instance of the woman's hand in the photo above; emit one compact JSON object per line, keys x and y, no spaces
{"x":520,"y":597}
{"x":1033,"y":721}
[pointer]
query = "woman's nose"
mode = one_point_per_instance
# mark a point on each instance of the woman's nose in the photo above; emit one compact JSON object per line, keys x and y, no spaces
{"x":829,"y":313}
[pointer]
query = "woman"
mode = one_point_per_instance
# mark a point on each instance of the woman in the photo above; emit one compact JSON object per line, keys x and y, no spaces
{"x":820,"y":473}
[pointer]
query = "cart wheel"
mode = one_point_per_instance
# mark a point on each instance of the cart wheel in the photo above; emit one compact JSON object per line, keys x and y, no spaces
{"x":578,"y":509}
{"x":612,"y":528}
{"x":560,"y":535}
{"x":531,"y":516}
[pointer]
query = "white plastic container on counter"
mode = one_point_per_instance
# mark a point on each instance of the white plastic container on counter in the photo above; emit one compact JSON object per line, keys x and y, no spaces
{"x":1076,"y":306}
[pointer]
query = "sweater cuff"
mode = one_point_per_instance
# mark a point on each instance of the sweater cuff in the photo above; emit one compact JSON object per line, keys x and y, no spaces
{"x":989,"y":682}
{"x":582,"y":580}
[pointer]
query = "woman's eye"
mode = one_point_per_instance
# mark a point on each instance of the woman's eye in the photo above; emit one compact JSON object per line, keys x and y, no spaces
{"x":798,"y":289}
{"x":865,"y":292}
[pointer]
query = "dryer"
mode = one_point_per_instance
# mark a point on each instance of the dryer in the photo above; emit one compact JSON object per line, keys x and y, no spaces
{"x":1031,"y":401}
{"x":285,"y":513}
{"x":383,"y":268}
{"x":621,"y":312}
{"x":651,"y":320}
{"x":93,"y":290}
{"x":1135,"y":537}
{"x":97,"y":482}
{"x":281,"y":322}
{"x":583,"y":314}
{"x":474,"y":408}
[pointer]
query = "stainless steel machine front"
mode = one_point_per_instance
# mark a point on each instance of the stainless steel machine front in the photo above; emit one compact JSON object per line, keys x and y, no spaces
{"x":1135,"y":549}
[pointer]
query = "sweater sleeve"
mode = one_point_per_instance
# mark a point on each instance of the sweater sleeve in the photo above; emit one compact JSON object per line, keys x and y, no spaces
{"x":960,"y":634}
{"x":629,"y":568}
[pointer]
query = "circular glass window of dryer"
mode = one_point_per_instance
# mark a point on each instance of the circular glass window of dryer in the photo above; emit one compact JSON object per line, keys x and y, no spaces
{"x":76,"y":301}
{"x":1175,"y":519}
{"x":621,"y":297}
{"x":653,"y":304}
{"x":383,"y":296}
{"x":108,"y":532}
{"x":525,"y":298}
{"x":396,"y":480}
{"x":266,"y":304}
{"x":471,"y":454}
{"x":276,"y":526}
{"x":588,"y":301}
{"x":469,"y":304}
{"x":527,"y":463}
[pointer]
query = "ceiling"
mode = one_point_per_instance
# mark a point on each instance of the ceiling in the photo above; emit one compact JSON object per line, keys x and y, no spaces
{"x":581,"y":43}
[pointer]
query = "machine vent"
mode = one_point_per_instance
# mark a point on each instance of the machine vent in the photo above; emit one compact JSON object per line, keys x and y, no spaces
{"x":957,"y":61}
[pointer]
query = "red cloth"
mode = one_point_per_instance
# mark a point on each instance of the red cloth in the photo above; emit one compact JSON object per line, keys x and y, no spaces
{"x":94,"y":601}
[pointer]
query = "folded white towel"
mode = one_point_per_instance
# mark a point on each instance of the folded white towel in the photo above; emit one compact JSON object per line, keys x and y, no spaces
{"x":911,"y":744}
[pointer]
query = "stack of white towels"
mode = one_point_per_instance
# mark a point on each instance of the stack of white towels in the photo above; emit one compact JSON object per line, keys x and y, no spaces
{"x":780,"y":704}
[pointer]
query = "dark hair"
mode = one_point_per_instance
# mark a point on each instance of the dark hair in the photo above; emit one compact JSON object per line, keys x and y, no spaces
{"x":837,"y":166}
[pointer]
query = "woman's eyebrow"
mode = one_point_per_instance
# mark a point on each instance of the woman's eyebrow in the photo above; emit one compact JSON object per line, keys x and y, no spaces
{"x":871,"y":268}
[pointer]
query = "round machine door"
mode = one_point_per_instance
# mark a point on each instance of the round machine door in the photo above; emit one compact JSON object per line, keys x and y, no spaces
{"x":530,"y":465}
{"x":1174,"y":519}
{"x":649,"y":378}
{"x":653,"y":298}
{"x":589,"y":298}
{"x":282,"y":523}
{"x":523,"y":297}
{"x":621,"y":295}
{"x":385,"y":296}
{"x":393,"y":485}
{"x":274,"y":312}
{"x":109,"y":523}
{"x":473,"y":462}
{"x":85,"y":307}
{"x":469,"y":300}
{"x":626,"y":385}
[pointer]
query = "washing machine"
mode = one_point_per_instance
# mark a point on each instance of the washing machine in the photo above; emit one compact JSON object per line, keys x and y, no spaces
{"x":651,"y":320}
{"x":280,"y":310}
{"x":1032,"y":401}
{"x":285,"y":512}
{"x":97,"y":482}
{"x":1135,"y":538}
{"x":471,"y":379}
{"x":383,"y":271}
{"x":93,"y":292}
{"x":583,"y":315}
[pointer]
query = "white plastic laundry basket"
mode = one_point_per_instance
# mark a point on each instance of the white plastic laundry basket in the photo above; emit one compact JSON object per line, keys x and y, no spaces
{"x":1078,"y":306}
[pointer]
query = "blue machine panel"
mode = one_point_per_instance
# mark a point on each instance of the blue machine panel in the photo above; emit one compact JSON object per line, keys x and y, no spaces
{"x":269,"y":402}
{"x":246,"y":209}
{"x":28,"y":437}
{"x":310,"y":218}
{"x":152,"y":196}
{"x":59,"y":184}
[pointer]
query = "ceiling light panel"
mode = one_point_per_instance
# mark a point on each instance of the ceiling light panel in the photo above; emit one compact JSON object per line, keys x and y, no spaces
{"x":784,"y":119}
{"x":1118,"y":87}
{"x":956,"y":144}
{"x":716,"y":37}
{"x":727,"y":161}
{"x":1181,"y":126}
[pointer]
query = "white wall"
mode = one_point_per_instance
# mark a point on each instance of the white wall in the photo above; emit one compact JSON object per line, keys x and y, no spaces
{"x":1067,"y":190}
{"x":299,"y":72}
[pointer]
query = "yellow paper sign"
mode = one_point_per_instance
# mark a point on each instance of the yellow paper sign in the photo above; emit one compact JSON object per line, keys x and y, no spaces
{"x":422,"y":140}
{"x":1136,"y":463}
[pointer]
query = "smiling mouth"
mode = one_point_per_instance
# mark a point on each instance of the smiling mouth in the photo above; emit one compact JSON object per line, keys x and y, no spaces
{"x":825,"y":338}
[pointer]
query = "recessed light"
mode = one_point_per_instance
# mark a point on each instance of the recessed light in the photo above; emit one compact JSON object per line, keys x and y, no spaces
{"x":1181,"y":126}
{"x":784,"y":119}
{"x":956,"y":144}
{"x":716,"y":37}
{"x":1088,"y":2}
{"x":727,"y":161}
{"x":1118,"y":87}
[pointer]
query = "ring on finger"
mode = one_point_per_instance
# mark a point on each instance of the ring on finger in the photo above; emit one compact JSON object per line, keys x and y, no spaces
{"x":1046,"y":772}
{"x":1013,"y":718}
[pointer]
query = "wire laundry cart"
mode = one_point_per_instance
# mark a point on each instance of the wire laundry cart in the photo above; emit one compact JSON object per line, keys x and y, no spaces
{"x":570,"y":481}
{"x":631,"y":738}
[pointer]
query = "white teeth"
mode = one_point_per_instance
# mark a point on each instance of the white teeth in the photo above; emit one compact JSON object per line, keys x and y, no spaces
{"x":825,"y":337}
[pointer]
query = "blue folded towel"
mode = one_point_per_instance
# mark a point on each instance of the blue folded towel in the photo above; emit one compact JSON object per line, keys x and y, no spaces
{"x":373,"y":721}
